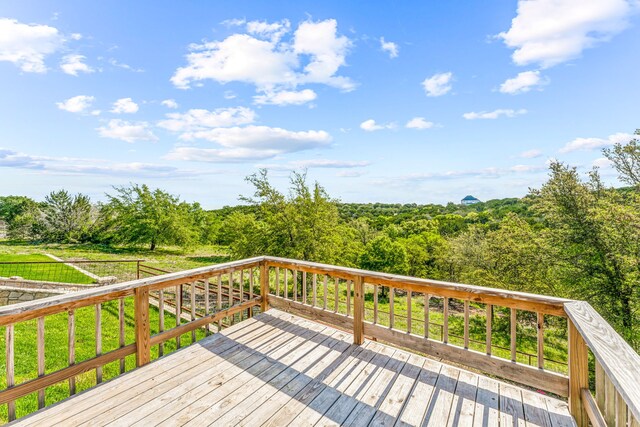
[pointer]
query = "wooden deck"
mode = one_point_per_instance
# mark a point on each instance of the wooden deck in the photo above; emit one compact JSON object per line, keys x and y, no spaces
{"x":278,"y":369}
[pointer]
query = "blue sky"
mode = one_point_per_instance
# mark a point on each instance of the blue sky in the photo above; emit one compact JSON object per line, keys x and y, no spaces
{"x":411,"y":102}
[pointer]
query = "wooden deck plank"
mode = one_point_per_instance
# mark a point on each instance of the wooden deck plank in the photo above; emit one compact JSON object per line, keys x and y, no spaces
{"x":440,"y":404}
{"x":293,"y":391}
{"x":358,"y":390}
{"x":277,"y":369}
{"x":212,"y":405}
{"x":183,"y":378}
{"x":464,"y":400}
{"x":418,"y":402}
{"x":306,"y":396}
{"x":327,"y":397}
{"x":487,"y":407}
{"x":261,"y":396}
{"x":379,"y":390}
{"x":399,"y":392}
{"x":535,"y":409}
{"x":511,"y":407}
{"x":116,"y":387}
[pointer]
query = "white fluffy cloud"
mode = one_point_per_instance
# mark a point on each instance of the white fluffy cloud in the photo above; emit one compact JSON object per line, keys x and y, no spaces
{"x":549,"y":32}
{"x":27,"y":45}
{"x":602,"y":162}
{"x":124,"y":105}
{"x":74,"y":64}
{"x":531,"y":154}
{"x":390,"y":47}
{"x":596,"y":143}
{"x":312,"y":54}
{"x":522,"y":83}
{"x":242,"y":144}
{"x":127,"y":131}
{"x":285,"y":97}
{"x":198,"y":119}
{"x":419,"y":123}
{"x":76,"y":104}
{"x":170,"y":103}
{"x":494,"y":114}
{"x":371,"y":125}
{"x":438,"y":84}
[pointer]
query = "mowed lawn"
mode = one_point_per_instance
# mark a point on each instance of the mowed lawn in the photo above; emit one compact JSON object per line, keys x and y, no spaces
{"x":56,"y":349}
{"x":30,"y":267}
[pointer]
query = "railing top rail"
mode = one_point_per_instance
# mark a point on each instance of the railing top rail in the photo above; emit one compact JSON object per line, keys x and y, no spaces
{"x":71,"y":261}
{"x":547,"y":304}
{"x":12,"y":313}
{"x":618,"y":360}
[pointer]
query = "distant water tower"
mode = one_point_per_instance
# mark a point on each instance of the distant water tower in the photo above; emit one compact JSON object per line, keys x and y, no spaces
{"x":469,"y":200}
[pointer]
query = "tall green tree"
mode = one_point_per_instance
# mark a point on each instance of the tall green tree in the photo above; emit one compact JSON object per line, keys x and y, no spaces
{"x":66,"y":218}
{"x":626,"y":160}
{"x":597,"y":236}
{"x":139,"y":215}
{"x":304,"y":225}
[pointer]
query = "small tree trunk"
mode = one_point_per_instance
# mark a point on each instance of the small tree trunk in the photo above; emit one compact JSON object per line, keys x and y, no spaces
{"x":153,"y":245}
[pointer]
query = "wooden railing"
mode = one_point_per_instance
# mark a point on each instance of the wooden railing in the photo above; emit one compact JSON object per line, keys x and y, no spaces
{"x":197,"y":302}
{"x":395,"y":309}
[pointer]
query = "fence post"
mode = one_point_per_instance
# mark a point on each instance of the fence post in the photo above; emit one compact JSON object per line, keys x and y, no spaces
{"x":138,"y":270}
{"x":264,"y":287}
{"x":358,"y":310}
{"x":578,"y":375}
{"x":143,"y":328}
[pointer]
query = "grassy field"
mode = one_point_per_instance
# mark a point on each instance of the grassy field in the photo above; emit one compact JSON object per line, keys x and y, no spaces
{"x":55,"y":272}
{"x":56,"y":349}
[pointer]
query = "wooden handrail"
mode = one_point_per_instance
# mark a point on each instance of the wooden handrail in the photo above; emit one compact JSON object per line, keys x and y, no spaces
{"x":619,"y":364}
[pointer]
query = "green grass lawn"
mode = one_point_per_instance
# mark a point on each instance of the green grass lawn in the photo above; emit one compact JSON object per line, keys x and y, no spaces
{"x":56,"y":349}
{"x":51,"y":272}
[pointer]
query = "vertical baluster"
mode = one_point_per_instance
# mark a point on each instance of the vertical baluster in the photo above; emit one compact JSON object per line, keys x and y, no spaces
{"x":286,"y":284}
{"x":325,"y":287}
{"x":232,"y":297}
{"x":427,"y":298}
{"x":489,"y":320}
{"x":251,"y":274}
{"x":72,"y":349}
{"x":466,"y":324}
{"x":392,"y":292}
{"x":241,"y":287}
{"x":294,"y":278}
{"x":219,"y":300}
{"x":121,"y":331}
{"x":336,"y":295}
{"x":207,"y":307}
{"x":10,"y":356}
{"x":193,"y":309}
{"x":375,"y":304}
{"x":409,"y":311}
{"x":513,"y":334}
{"x":600,"y":386}
{"x":609,"y":402}
{"x":445,"y":320}
{"x":348,"y":297}
{"x":40,"y":359}
{"x":315,"y":289}
{"x":98,"y":340}
{"x":540,"y":340}
{"x":621,"y":411}
{"x":178,"y":311}
{"x":161,"y":319}
{"x":304,"y":287}
{"x":278,"y":282}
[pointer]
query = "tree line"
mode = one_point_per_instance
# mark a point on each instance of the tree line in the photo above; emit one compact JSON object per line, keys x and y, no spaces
{"x":574,"y":237}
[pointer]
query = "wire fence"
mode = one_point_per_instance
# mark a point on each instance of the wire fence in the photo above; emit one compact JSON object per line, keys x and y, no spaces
{"x":72,"y":271}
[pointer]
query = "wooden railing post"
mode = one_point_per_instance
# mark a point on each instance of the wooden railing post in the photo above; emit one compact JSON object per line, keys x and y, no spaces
{"x":358,"y":310}
{"x":143,"y":327}
{"x":578,"y":375}
{"x":264,"y":287}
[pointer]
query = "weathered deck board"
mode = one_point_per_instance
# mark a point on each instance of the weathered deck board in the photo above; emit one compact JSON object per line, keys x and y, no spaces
{"x":277,"y":369}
